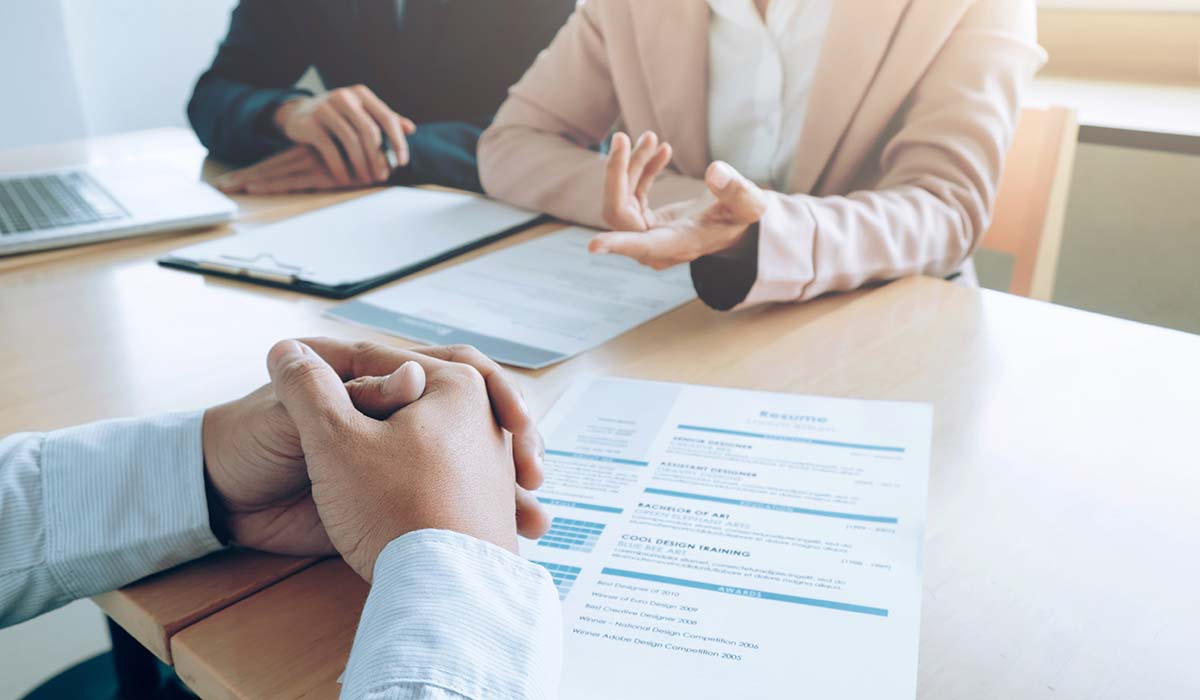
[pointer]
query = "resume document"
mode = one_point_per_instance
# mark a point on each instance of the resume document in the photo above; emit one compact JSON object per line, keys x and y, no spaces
{"x":716,"y":543}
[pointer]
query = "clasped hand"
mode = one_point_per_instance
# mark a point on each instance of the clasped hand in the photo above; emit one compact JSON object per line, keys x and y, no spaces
{"x":338,"y":137}
{"x":676,"y":233}
{"x":353,"y":445}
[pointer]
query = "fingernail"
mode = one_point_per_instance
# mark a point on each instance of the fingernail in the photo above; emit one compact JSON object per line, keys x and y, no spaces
{"x":394,"y":383}
{"x":407,"y":382}
{"x":721,"y":175}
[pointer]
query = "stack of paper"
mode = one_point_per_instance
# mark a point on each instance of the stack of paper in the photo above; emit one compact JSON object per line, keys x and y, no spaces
{"x":529,"y":305}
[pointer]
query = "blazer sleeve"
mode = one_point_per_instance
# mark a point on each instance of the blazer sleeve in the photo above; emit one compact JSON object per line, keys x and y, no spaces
{"x":441,"y":153}
{"x":538,"y":154}
{"x":940,"y":173}
{"x":256,"y":67}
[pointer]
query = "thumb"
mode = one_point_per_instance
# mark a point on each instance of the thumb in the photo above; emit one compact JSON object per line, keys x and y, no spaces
{"x":309,"y":389}
{"x":743,"y":201}
{"x":380,"y":397}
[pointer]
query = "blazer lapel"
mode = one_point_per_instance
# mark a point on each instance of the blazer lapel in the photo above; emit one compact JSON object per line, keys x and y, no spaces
{"x":859,"y":35}
{"x":672,"y":40}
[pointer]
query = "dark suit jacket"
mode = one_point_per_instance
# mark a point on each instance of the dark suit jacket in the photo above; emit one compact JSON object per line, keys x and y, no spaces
{"x":445,"y":64}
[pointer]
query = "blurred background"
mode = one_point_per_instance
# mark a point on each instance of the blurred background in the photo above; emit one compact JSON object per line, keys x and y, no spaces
{"x":102,"y":67}
{"x":1130,"y":244}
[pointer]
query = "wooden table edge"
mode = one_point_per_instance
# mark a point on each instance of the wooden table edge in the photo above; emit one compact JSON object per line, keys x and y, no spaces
{"x":119,"y":607}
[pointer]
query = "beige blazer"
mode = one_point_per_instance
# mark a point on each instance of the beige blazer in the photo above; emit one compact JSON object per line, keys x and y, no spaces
{"x":913,"y":107}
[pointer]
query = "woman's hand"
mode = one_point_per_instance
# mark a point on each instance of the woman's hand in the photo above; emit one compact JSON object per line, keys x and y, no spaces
{"x":631,"y":172}
{"x":677,"y":233}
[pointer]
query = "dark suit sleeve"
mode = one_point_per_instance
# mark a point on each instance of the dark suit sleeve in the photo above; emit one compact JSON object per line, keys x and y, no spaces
{"x":442,"y":153}
{"x":497,"y":49}
{"x":256,"y":67}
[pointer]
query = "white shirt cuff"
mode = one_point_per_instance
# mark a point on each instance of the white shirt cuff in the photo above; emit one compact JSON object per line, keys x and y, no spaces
{"x":123,"y":500}
{"x":452,"y":616}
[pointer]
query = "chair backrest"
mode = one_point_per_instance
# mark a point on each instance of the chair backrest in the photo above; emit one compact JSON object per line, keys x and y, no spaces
{"x":1031,"y":202}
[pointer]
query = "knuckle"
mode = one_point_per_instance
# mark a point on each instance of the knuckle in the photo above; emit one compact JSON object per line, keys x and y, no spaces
{"x":362,"y":347}
{"x":466,"y":378}
{"x":363,"y":354}
{"x":360,"y":388}
{"x":459,"y":351}
{"x":300,"y":372}
{"x":473,"y":356}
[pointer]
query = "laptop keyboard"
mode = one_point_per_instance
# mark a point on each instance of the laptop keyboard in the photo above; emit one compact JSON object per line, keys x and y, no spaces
{"x":39,"y":202}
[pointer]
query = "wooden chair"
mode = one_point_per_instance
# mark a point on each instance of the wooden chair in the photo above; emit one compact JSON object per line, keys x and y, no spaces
{"x":1031,"y":203}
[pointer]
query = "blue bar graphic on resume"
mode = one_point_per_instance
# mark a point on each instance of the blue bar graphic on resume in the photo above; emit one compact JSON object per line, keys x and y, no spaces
{"x":573,"y":535}
{"x":563,"y":576}
{"x":772,"y":506}
{"x":789,"y":438}
{"x":747,"y":592}
{"x":598,"y":458}
{"x":581,"y":506}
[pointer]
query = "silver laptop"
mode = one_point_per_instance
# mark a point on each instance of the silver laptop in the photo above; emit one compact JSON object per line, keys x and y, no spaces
{"x":70,"y":206}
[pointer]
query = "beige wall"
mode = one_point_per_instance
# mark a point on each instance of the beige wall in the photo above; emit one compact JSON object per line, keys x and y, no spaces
{"x":1122,"y":45}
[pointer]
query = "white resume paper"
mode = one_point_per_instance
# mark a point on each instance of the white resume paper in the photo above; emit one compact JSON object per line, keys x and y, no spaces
{"x":530,"y":305}
{"x":717,"y":543}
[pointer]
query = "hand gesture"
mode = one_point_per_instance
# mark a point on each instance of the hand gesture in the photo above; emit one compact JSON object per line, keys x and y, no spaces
{"x":677,"y":233}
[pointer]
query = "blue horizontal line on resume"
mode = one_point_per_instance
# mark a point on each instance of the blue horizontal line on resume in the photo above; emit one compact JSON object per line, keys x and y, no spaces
{"x":747,"y":592}
{"x":598,"y":458}
{"x":790,"y":438}
{"x":581,"y":506}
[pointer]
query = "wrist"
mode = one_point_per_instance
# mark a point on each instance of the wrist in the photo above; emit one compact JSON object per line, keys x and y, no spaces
{"x":364,"y":557}
{"x":284,"y":112}
{"x":218,"y":513}
{"x":218,"y":509}
{"x":741,"y":245}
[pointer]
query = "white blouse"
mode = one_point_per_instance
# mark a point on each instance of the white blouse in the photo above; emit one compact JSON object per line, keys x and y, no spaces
{"x":760,"y":78}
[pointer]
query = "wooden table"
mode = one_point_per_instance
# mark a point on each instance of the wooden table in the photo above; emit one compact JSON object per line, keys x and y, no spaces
{"x":1063,"y":547}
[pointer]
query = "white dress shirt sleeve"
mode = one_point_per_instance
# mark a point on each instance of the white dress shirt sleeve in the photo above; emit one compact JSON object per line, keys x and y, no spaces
{"x":450,"y":617}
{"x":90,"y":509}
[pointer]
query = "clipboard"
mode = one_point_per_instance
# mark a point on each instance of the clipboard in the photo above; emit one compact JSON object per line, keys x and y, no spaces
{"x":348,"y":248}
